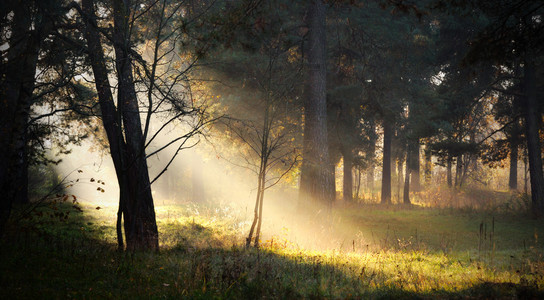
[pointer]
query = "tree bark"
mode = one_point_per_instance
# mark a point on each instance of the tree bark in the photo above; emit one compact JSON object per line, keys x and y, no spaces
{"x":458,"y":170}
{"x":111,"y":118}
{"x":347,"y":189}
{"x":514,"y":154}
{"x":415,"y":166}
{"x":17,"y":86}
{"x":534,"y":150}
{"x":21,"y":171}
{"x":139,"y":218}
{"x":448,"y":171}
{"x":428,"y":166}
{"x":406,"y":192}
{"x":386,"y":166}
{"x":400,"y":176}
{"x":316,"y":179}
{"x":371,"y":157}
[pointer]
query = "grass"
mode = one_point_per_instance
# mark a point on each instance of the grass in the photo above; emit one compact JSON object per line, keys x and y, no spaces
{"x":379,"y":252}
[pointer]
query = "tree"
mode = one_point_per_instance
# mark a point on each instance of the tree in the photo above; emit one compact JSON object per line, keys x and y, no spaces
{"x":315,"y":178}
{"x":258,"y":115}
{"x":29,"y":25}
{"x":515,"y":32}
{"x":160,"y":87}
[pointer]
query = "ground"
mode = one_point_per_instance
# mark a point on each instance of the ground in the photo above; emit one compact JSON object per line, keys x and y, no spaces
{"x":372,"y":251}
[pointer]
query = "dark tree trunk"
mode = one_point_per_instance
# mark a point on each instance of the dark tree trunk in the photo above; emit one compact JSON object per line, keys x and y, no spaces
{"x":347,"y":189}
{"x":316,"y":179}
{"x":428,"y":166}
{"x":458,"y":170}
{"x":139,"y":216}
{"x":400,"y":176}
{"x":21,"y":171}
{"x":334,"y":159}
{"x":358,"y":186}
{"x":17,"y":86}
{"x":513,"y":175}
{"x":514,"y":155}
{"x":111,"y":118}
{"x":534,"y":150}
{"x":128,"y":155}
{"x":448,"y":171}
{"x":396,"y":167}
{"x":386,"y":166}
{"x":415,"y":166}
{"x":371,"y":157}
{"x":406,"y":192}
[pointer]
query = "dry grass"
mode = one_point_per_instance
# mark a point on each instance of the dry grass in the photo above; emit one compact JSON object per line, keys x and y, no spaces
{"x":372,"y":252}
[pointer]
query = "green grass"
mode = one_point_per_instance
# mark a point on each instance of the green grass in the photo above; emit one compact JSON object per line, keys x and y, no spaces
{"x":381,"y":253}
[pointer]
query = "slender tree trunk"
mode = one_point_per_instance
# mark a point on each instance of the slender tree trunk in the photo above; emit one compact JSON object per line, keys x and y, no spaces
{"x":347,"y":188}
{"x":358,"y":186}
{"x":400,"y":176}
{"x":406,"y":192}
{"x":428,"y":166}
{"x":371,"y":157}
{"x":514,"y":146}
{"x":262,"y":175}
{"x":458,"y":170}
{"x":111,"y":118}
{"x":256,"y":209}
{"x":534,"y":150}
{"x":260,"y":219}
{"x":525,"y":171}
{"x":332,"y":170}
{"x":315,"y":181}
{"x":415,"y":166}
{"x":139,"y":218}
{"x":386,"y":171}
{"x":448,"y":171}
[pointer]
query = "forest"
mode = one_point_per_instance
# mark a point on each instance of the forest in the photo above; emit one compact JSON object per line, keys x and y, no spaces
{"x":252,"y":149}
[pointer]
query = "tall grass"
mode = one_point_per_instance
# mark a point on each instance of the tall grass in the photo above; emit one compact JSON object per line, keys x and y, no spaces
{"x":376,"y":252}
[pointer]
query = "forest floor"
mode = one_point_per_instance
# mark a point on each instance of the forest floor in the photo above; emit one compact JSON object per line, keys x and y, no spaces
{"x":376,"y":252}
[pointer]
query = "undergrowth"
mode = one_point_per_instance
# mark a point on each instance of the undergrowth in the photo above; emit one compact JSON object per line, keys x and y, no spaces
{"x":409,"y":253}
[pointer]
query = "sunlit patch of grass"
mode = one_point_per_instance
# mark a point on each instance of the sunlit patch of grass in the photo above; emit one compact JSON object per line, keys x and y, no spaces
{"x":202,"y":256}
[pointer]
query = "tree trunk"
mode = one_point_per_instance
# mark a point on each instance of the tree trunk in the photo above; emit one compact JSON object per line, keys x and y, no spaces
{"x":448,"y":171}
{"x":415,"y":166}
{"x":358,"y":186}
{"x":534,"y":150}
{"x":406,"y":192}
{"x":400,"y":177}
{"x":256,"y":210}
{"x":428,"y":166}
{"x":347,"y":189}
{"x":111,"y":118}
{"x":514,"y":146}
{"x":458,"y":170}
{"x":21,"y":171}
{"x":371,"y":157}
{"x":139,"y":217}
{"x":315,"y":179}
{"x":17,"y":86}
{"x":386,"y":166}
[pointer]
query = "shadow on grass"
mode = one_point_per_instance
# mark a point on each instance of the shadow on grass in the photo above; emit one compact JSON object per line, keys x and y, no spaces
{"x":48,"y":258}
